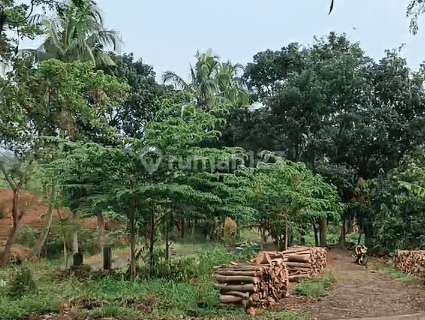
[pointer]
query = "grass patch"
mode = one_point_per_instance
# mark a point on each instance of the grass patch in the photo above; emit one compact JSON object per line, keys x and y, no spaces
{"x":117,"y":298}
{"x":192,"y":296}
{"x":392,"y":272}
{"x":316,"y":287}
{"x":267,"y":315}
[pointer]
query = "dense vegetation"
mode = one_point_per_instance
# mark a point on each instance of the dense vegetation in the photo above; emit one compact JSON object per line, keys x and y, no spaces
{"x":338,"y":138}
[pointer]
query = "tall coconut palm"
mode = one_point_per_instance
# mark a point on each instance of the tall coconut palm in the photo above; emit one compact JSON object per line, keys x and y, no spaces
{"x":78,"y":34}
{"x":211,"y":82}
{"x":231,"y":86}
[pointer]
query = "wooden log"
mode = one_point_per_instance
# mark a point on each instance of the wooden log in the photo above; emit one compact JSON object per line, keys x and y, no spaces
{"x":278,"y":261}
{"x":244,"y":295}
{"x":291,"y":264}
{"x":246,"y":267}
{"x":230,"y":299}
{"x":268,"y":259}
{"x":248,"y":273}
{"x":250,"y":287}
{"x":297,"y":251}
{"x":255,"y":297}
{"x":261,"y":258}
{"x":298,"y":277}
{"x":299,"y":258}
{"x":223,"y":279}
{"x":295,"y":269}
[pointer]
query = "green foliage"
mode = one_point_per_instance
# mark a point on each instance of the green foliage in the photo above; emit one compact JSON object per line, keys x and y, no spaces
{"x":22,"y":283}
{"x":77,"y":34}
{"x":391,"y":272}
{"x":185,"y":268}
{"x":288,"y":196}
{"x":414,"y":10}
{"x":144,"y":101}
{"x":316,"y":287}
{"x":247,"y":250}
{"x":27,"y":236}
{"x":398,"y":205}
{"x":313,"y":96}
{"x":213,"y":84}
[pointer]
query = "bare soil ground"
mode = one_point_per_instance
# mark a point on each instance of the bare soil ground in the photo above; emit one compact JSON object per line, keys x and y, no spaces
{"x":33,"y":208}
{"x":360,"y":293}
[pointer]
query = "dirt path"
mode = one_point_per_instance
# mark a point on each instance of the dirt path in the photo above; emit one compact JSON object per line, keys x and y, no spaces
{"x":361,"y":293}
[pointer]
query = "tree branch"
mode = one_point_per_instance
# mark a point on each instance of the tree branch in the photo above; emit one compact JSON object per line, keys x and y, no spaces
{"x":7,"y":177}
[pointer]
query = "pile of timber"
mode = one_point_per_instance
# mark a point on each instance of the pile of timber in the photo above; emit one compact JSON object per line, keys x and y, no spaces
{"x":301,"y":262}
{"x":253,"y":285}
{"x":411,"y":262}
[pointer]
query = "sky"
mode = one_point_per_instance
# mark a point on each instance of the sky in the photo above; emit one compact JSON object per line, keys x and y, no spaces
{"x":167,"y":33}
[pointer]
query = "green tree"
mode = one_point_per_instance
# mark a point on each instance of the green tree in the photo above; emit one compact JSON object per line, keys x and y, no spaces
{"x":191,"y":182}
{"x":336,"y":107}
{"x":212,"y":83}
{"x":143,"y":103}
{"x":32,"y":121}
{"x":77,"y":34}
{"x":290,"y":197}
{"x":397,"y":204}
{"x":16,"y":173}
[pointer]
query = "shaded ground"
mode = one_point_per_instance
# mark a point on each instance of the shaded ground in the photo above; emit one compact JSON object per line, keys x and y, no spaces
{"x":360,"y":293}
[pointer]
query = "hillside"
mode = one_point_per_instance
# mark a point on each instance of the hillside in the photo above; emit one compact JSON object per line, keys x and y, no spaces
{"x":33,"y":206}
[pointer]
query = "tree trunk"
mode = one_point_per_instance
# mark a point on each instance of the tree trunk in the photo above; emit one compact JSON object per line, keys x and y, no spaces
{"x":316,"y":237}
{"x":323,"y":224}
{"x":65,"y":251}
{"x":75,"y":234}
{"x":167,"y":238}
{"x":285,"y":243}
{"x":263,"y":236}
{"x":343,"y":231}
{"x":42,"y":239}
{"x":132,"y":243}
{"x":368,"y":232}
{"x":183,"y":228}
{"x":223,"y":224}
{"x":193,"y":228}
{"x":16,"y":216}
{"x":101,"y":230}
{"x":152,"y":240}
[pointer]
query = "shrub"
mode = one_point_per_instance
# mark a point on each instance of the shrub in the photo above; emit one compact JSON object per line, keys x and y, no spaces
{"x":27,"y":236}
{"x":247,"y":250}
{"x":22,"y":283}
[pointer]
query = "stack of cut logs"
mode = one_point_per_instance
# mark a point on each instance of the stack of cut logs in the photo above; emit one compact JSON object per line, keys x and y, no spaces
{"x":253,"y":285}
{"x":411,"y":262}
{"x":302,"y":262}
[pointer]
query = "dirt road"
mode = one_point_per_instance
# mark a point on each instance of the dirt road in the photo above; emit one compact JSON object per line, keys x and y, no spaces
{"x":361,"y":293}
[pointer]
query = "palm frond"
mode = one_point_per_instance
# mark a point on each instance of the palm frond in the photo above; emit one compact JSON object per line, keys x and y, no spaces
{"x":172,"y":77}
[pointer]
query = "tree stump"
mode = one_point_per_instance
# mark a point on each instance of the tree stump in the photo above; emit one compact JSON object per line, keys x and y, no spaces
{"x":107,"y":258}
{"x":78,"y":259}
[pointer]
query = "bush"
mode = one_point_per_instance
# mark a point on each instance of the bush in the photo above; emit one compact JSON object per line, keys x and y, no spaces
{"x":247,"y":250}
{"x":186,"y":268}
{"x":27,"y":236}
{"x":22,"y":283}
